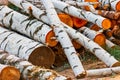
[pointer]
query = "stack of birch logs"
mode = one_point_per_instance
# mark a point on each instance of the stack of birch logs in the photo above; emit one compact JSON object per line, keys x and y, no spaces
{"x":31,"y":34}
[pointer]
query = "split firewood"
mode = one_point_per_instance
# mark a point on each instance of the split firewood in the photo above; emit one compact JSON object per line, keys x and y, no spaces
{"x":28,"y":70}
{"x":66,"y":19}
{"x":103,"y":71}
{"x":108,"y":14}
{"x":28,"y":26}
{"x":9,"y":73}
{"x":110,"y":4}
{"x":64,"y":39}
{"x":84,"y":41}
{"x":86,"y":15}
{"x":23,"y":47}
{"x":97,"y":37}
{"x":78,"y":23}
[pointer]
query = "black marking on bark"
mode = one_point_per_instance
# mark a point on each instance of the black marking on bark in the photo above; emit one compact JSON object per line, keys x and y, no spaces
{"x":2,"y":8}
{"x":28,"y":24}
{"x":81,"y":12}
{"x":35,"y":20}
{"x":31,"y":48}
{"x":11,"y":21}
{"x":38,"y":29}
{"x":19,"y":50}
{"x":76,"y":31}
{"x":8,"y":13}
{"x":5,"y":38}
{"x":89,"y":40}
{"x":66,"y":9}
{"x":95,"y":49}
{"x":96,"y":20}
{"x":75,"y":66}
{"x":73,"y":53}
{"x":6,"y":45}
{"x":60,"y":31}
{"x":4,"y":32}
{"x":43,"y":14}
{"x":19,"y":40}
{"x":66,"y":47}
{"x":31,"y":35}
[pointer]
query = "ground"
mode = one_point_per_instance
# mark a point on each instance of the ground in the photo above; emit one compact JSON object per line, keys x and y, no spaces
{"x":90,"y":65}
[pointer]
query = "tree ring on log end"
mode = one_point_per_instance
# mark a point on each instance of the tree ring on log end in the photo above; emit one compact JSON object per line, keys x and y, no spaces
{"x":42,"y":56}
{"x":9,"y":73}
{"x":116,"y":64}
{"x":82,"y":75}
{"x":118,"y":6}
{"x":100,"y":39}
{"x":51,"y":42}
{"x":106,"y":24}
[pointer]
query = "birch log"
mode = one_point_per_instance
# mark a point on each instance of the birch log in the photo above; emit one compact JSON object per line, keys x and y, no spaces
{"x":85,"y":5}
{"x":108,"y":14}
{"x":103,"y":71}
{"x":87,"y":43}
{"x":27,"y":25}
{"x":35,"y":52}
{"x":97,"y":37}
{"x":112,"y":4}
{"x":64,"y":39}
{"x":9,"y":73}
{"x":93,"y":26}
{"x":96,"y":19}
{"x":29,"y":71}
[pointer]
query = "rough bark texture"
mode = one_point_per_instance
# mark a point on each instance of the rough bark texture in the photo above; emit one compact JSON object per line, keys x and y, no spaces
{"x":26,"y":48}
{"x":27,"y":25}
{"x":87,"y":43}
{"x":62,"y":36}
{"x":29,"y":71}
{"x":97,"y":37}
{"x":103,"y":71}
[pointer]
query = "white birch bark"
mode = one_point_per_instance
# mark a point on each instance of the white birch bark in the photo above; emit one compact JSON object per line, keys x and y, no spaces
{"x":111,"y":4}
{"x":9,"y":72}
{"x":25,"y":25}
{"x":93,"y":47}
{"x":26,"y":48}
{"x":87,"y":43}
{"x":91,"y":34}
{"x":86,"y":15}
{"x":28,"y":70}
{"x":103,"y":71}
{"x":82,"y":4}
{"x":64,"y":39}
{"x":110,"y":44}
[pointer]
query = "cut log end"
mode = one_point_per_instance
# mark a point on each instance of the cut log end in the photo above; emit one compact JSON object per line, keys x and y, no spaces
{"x":106,"y":24}
{"x":118,"y":6}
{"x":65,"y":18}
{"x":95,"y":27}
{"x":10,"y":73}
{"x":42,"y":56}
{"x":83,"y":75}
{"x":116,"y":64}
{"x":51,"y":42}
{"x":76,"y":44}
{"x":78,"y":23}
{"x":100,"y":39}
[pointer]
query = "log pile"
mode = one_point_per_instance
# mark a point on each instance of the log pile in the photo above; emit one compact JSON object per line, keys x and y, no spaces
{"x":43,"y":29}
